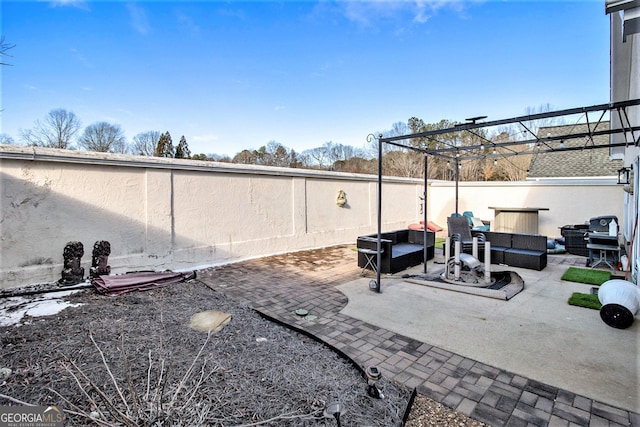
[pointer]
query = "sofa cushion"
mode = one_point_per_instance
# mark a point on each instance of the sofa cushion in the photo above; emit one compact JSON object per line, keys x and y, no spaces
{"x":534,"y":242}
{"x":417,"y":236}
{"x":525,"y":251}
{"x":502,"y":240}
{"x":404,"y":248}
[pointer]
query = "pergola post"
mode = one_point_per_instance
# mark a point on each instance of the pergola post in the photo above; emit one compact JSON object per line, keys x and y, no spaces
{"x":379,"y":246}
{"x":424,"y":221}
{"x":457,"y":179}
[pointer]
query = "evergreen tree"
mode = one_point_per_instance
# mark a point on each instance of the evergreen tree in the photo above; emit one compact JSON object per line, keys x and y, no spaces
{"x":165,"y":146}
{"x":182,"y":150}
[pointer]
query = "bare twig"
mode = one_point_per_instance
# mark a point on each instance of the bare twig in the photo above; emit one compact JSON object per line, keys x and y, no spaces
{"x":125,"y":419}
{"x":199,"y":383}
{"x":85,"y":415}
{"x":127,"y":373}
{"x":14,"y":400}
{"x":159,"y":392}
{"x":188,"y":373}
{"x":146,"y":395}
{"x":78,"y":410}
{"x":288,"y":416}
{"x":106,"y":365}
{"x":95,"y":405}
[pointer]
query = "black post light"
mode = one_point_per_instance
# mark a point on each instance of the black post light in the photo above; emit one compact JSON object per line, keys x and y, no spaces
{"x":623,"y":175}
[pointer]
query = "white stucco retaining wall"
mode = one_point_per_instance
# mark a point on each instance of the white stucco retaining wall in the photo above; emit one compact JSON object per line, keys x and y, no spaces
{"x":181,"y":214}
{"x":176,"y":214}
{"x":570,"y":201}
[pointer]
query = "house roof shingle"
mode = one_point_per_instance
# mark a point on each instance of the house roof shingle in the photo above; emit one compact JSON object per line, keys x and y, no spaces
{"x":575,"y":163}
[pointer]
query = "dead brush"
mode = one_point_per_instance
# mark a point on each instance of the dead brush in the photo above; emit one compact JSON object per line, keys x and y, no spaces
{"x":133,"y":360}
{"x":160,"y":404}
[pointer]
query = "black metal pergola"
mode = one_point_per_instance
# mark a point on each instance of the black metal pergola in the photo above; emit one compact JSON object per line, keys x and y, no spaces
{"x":455,"y":153}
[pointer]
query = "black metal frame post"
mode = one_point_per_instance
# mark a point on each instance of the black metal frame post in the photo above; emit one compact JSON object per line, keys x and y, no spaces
{"x":379,"y":247}
{"x":425,"y":232}
{"x":457,"y":179}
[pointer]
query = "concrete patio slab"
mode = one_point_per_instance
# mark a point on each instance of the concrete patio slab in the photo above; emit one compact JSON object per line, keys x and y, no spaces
{"x":536,"y":334}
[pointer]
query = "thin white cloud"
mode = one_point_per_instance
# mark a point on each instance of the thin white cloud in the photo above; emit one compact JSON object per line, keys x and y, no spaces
{"x":187,"y":22}
{"x":373,"y":12}
{"x":423,"y":12}
{"x":81,"y":58}
{"x":79,"y":4}
{"x":139,"y":20}
{"x":204,"y":138}
{"x":279,"y":107}
{"x":326,"y":68}
{"x":233,"y":13}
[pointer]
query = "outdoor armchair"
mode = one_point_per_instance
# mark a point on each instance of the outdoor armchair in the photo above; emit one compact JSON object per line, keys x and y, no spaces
{"x":459,"y":231}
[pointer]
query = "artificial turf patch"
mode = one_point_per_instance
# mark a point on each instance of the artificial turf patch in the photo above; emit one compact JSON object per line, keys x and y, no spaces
{"x":440,"y":242}
{"x":585,"y":300}
{"x":586,"y":275}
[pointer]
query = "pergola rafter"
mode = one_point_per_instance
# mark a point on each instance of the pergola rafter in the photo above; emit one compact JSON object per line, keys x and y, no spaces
{"x":592,"y":131}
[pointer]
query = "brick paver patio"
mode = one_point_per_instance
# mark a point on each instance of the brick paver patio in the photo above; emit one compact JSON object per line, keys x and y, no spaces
{"x":277,"y":286}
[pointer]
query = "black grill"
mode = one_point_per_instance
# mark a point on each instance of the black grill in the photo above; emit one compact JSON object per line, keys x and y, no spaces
{"x":576,"y":236}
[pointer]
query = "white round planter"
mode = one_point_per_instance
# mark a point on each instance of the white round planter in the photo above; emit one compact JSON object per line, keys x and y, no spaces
{"x":620,"y":301}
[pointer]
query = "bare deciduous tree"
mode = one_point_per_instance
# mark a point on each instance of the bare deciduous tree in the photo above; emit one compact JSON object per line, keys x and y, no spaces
{"x":57,"y":130}
{"x":319,"y":155}
{"x":144,"y":143}
{"x":103,"y":137}
{"x":405,"y":163}
{"x":4,"y":47}
{"x":6,"y":139}
{"x":276,"y":154}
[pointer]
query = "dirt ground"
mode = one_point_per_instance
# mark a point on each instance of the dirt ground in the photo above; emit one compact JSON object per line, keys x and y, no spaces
{"x":133,"y":360}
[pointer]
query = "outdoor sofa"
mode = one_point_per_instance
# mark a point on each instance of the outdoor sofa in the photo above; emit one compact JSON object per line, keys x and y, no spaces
{"x":401,"y":249}
{"x":514,"y":249}
{"x":517,"y":249}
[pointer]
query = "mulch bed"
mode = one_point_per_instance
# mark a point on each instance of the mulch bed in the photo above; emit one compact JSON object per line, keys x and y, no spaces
{"x":132,"y":360}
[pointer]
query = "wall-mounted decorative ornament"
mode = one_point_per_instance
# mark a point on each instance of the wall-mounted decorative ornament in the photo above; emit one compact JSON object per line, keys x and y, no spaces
{"x":341,"y":200}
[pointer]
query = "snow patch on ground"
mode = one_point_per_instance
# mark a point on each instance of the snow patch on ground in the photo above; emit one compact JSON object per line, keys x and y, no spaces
{"x":13,"y":309}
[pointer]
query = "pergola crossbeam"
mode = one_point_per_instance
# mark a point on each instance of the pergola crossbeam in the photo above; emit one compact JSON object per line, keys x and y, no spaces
{"x":445,"y":152}
{"x":527,"y":118}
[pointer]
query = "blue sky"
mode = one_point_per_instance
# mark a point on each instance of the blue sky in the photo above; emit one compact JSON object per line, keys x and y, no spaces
{"x":231,"y":75}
